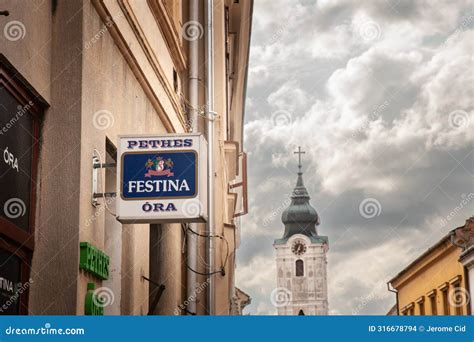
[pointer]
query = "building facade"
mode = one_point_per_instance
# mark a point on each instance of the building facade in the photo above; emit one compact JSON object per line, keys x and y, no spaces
{"x":436,"y":283}
{"x":301,"y":259}
{"x":74,"y":76}
{"x":240,"y":301}
{"x":463,"y":237}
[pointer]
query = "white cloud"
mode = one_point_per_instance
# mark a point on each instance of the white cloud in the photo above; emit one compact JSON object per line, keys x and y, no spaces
{"x":384,"y":110}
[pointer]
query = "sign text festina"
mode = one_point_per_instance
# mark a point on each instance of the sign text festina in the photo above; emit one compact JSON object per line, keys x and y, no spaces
{"x":162,"y":178}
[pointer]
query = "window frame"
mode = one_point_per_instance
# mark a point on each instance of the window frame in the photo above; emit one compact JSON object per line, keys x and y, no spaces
{"x":301,"y":268}
{"x":13,"y":239}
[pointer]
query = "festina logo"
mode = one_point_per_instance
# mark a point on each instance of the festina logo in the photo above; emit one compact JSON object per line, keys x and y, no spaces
{"x":6,"y":285}
{"x":158,"y":186}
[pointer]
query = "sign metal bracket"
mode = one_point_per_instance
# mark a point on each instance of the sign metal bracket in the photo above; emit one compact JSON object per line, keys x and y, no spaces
{"x":96,"y":165}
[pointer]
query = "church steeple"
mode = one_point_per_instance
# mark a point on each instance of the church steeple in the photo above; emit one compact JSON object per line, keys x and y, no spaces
{"x":301,"y":257}
{"x":300,"y":217}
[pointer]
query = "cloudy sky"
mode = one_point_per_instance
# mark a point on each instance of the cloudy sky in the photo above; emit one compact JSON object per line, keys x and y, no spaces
{"x":380,"y":96}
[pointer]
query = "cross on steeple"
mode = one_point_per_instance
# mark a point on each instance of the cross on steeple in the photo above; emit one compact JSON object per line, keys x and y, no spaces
{"x":299,"y":153}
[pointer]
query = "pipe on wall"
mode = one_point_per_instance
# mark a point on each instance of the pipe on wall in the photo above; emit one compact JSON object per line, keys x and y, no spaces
{"x":193,"y":91}
{"x":210,"y":115}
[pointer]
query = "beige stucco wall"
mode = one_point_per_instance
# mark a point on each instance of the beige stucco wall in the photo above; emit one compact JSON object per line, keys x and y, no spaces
{"x":32,"y":54}
{"x":109,"y":84}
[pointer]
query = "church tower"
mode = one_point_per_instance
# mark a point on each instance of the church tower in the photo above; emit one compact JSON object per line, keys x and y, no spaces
{"x":301,"y":258}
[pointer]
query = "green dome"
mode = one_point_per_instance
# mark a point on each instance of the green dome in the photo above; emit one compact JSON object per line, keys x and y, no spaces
{"x":300,"y":217}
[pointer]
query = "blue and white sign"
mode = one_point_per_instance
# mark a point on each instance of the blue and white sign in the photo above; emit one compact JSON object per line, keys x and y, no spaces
{"x":162,"y":179}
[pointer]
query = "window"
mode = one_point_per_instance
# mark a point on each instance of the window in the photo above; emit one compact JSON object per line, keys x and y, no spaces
{"x":21,"y":110}
{"x":409,"y":309}
{"x":299,"y":268}
{"x":175,"y":81}
{"x":457,"y":297}
{"x":434,"y":308}
{"x":421,"y":307}
{"x":445,"y":301}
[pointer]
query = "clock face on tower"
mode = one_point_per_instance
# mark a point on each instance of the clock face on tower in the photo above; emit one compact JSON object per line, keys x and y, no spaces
{"x":298,"y":247}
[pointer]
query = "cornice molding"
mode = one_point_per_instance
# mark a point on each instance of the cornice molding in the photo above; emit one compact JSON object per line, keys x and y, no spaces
{"x":128,"y":55}
{"x":171,"y":35}
{"x":152,"y":58}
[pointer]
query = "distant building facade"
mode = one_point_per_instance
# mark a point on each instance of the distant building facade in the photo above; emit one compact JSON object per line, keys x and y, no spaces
{"x":73,"y":76}
{"x":239,"y":302}
{"x":436,"y":283}
{"x":301,"y":259}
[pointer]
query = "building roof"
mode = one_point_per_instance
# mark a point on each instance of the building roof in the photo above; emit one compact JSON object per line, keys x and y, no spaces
{"x":447,"y":239}
{"x":300,"y":217}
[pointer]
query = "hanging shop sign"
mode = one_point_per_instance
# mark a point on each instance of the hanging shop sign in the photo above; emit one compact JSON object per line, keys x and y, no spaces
{"x":162,"y":178}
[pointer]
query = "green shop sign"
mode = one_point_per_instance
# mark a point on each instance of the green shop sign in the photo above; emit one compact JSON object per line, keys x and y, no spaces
{"x":94,"y":261}
{"x":93,"y":305}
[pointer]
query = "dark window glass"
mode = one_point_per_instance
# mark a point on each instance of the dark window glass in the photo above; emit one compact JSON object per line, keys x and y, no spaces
{"x":16,"y":141}
{"x":434,"y":308}
{"x":10,"y":277}
{"x":299,"y":268}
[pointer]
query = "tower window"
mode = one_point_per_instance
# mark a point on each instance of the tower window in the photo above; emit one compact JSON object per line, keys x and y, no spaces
{"x":175,"y":80}
{"x":299,"y":268}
